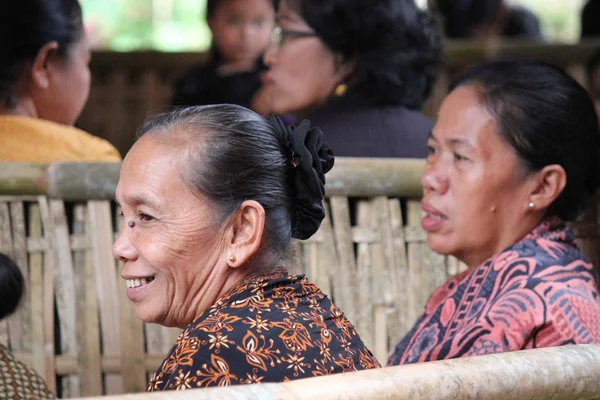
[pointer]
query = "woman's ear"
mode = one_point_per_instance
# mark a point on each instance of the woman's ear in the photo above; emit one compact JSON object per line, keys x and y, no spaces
{"x":549,"y":183}
{"x":345,"y":69}
{"x":245,"y":233}
{"x":40,"y":76}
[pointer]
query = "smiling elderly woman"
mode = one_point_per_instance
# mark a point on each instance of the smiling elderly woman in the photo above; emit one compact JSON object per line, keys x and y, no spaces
{"x":212,"y":197}
{"x":513,"y":155}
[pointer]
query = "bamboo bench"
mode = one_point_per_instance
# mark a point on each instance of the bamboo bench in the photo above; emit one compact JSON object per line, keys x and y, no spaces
{"x":58,"y":222}
{"x":560,"y":373}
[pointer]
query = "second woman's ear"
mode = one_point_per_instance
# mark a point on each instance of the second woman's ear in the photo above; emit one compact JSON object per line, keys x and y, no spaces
{"x":245,"y":233}
{"x":550,"y":182}
{"x":40,"y":76}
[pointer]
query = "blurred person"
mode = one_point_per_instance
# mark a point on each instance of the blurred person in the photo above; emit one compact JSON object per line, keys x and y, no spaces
{"x":593,"y":79}
{"x":17,"y":380}
{"x":484,"y":19}
{"x":590,"y":15}
{"x":359,"y":70}
{"x":513,"y":156}
{"x":241,"y":30}
{"x":45,"y":83}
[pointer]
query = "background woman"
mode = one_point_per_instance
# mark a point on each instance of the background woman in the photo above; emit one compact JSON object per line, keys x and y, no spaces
{"x":45,"y":83}
{"x":360,"y":70}
{"x":212,"y":197}
{"x":513,"y":155}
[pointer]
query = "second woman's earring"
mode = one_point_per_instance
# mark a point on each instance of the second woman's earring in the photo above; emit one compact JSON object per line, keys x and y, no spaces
{"x":341,"y":89}
{"x":531,"y":205}
{"x":232,"y":259}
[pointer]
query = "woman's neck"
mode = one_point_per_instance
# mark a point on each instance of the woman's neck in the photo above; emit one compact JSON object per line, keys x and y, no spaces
{"x":23,"y":108}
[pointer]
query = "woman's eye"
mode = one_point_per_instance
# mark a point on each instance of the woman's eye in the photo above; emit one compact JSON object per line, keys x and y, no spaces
{"x":145,"y":217}
{"x":431,"y":150}
{"x":458,"y":157}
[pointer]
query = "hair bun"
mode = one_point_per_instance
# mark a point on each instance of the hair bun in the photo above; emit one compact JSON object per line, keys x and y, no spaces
{"x":310,"y":158}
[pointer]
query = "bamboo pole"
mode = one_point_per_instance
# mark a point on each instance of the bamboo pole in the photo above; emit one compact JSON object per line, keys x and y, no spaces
{"x":569,"y":372}
{"x":353,"y":177}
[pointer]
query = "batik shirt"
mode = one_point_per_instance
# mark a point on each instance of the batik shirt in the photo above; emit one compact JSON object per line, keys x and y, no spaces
{"x":540,"y":292}
{"x":270,"y":328}
{"x":18,"y":381}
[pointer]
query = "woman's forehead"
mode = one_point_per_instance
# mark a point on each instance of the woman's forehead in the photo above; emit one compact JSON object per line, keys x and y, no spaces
{"x":150,"y":168}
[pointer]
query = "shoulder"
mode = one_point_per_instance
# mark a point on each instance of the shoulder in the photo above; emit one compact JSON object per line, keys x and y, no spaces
{"x":13,"y":371}
{"x":93,"y":148}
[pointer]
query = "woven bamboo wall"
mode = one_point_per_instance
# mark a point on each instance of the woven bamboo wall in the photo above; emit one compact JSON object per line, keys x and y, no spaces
{"x":126,"y":87}
{"x":370,"y":255}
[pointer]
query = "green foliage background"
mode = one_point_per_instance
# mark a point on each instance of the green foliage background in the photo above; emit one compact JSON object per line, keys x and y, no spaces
{"x":179,"y":25}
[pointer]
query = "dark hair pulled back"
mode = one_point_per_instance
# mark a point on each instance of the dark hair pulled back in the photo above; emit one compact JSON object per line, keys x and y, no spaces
{"x":234,"y":155}
{"x":11,"y":286}
{"x":547,"y":118}
{"x":396,"y":46}
{"x":25,"y":27}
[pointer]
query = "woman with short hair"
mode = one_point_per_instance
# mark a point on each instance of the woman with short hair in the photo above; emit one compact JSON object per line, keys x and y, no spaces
{"x":361,"y":70}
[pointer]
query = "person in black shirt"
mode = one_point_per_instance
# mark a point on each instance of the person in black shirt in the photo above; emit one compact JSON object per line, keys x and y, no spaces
{"x":241,"y":30}
{"x":465,"y":19}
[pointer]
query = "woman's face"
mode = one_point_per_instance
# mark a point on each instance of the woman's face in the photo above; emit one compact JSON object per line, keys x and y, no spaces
{"x":172,"y":254}
{"x":303,"y":73}
{"x":475,"y":197}
{"x":68,"y":88}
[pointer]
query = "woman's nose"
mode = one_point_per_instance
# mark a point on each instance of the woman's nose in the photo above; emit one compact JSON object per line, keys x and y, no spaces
{"x":434,"y":180}
{"x":123,"y":249}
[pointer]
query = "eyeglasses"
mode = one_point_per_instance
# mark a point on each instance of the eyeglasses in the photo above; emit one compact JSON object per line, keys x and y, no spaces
{"x":279,"y":35}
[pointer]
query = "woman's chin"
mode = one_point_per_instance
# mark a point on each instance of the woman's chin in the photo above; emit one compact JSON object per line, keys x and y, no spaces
{"x":439,"y":244}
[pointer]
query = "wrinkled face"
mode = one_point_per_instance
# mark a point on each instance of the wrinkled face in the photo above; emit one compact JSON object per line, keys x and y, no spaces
{"x":68,"y":86}
{"x":242,"y":29}
{"x":473,"y":182}
{"x":171,"y":253}
{"x":302,"y":73}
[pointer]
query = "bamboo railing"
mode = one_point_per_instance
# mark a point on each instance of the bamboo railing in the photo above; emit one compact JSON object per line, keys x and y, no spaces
{"x":58,"y":222}
{"x":561,"y":373}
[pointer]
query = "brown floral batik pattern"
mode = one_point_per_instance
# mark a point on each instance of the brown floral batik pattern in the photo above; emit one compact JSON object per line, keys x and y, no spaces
{"x":18,"y":381}
{"x":270,"y":328}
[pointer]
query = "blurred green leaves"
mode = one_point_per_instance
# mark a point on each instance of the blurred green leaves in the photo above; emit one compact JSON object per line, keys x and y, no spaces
{"x":165,"y":25}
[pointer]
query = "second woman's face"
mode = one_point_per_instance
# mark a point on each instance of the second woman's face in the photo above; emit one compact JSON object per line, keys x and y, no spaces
{"x":168,"y":245}
{"x":474,"y":193}
{"x":302,"y":71}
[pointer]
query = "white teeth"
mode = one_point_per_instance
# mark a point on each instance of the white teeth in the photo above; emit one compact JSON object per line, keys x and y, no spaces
{"x":438,"y":217}
{"x":133,"y":283}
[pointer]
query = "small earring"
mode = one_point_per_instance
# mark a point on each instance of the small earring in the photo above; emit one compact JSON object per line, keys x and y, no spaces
{"x":131,"y":224}
{"x":232,"y":259}
{"x":341,"y":89}
{"x":531,"y":204}
{"x":493,"y":209}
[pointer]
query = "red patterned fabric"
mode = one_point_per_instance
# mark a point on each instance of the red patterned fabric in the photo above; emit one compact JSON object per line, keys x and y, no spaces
{"x":540,"y":292}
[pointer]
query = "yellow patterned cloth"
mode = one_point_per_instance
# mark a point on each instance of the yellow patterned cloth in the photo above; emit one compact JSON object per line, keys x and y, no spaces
{"x":18,"y":381}
{"x":36,"y":140}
